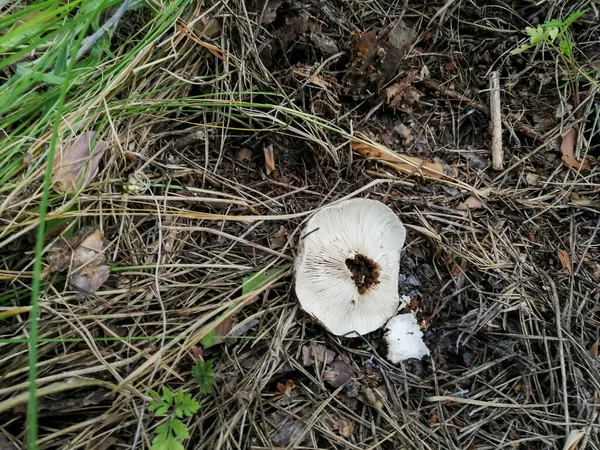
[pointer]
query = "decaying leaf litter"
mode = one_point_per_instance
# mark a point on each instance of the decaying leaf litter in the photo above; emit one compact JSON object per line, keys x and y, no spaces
{"x":330,"y":100}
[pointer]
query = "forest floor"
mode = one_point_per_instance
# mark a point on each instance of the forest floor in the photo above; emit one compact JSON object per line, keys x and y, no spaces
{"x":221,"y":127}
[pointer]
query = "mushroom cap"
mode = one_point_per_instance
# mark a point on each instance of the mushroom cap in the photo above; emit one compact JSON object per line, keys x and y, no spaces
{"x":347,"y":266}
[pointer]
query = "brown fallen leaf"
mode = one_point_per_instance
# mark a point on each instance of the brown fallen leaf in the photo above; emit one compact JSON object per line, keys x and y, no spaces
{"x":565,"y":261}
{"x":286,"y":389}
{"x":373,"y":397}
{"x":269,"y":159}
{"x":221,"y":331}
{"x":83,"y":255}
{"x":402,"y":163}
{"x":567,"y":147}
{"x":470,"y":203}
{"x":593,"y":350}
{"x":75,"y":164}
{"x":403,"y":94}
{"x":316,"y":353}
{"x":338,"y":374}
{"x":90,"y":278}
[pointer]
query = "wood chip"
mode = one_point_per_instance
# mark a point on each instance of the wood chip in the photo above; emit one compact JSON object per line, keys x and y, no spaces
{"x":565,"y":261}
{"x":404,"y":164}
{"x":269,"y":159}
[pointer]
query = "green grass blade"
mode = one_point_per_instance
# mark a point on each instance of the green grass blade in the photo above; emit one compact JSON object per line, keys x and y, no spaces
{"x":32,"y":417}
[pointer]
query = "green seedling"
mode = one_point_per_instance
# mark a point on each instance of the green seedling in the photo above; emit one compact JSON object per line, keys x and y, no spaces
{"x":556,"y":35}
{"x":204,"y":375}
{"x":177,"y":406}
{"x":553,"y":33}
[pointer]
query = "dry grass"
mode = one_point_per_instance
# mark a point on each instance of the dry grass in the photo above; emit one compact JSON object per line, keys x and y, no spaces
{"x":509,"y":329}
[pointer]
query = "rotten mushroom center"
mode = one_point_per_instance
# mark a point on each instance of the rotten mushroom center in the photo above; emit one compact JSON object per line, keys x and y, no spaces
{"x":365,"y":272}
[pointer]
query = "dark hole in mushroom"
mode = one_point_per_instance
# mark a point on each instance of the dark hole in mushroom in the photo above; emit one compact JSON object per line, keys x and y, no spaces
{"x":365,"y":272}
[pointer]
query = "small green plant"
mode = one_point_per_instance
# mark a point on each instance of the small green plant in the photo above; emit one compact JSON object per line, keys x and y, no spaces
{"x":554,"y":33}
{"x":204,"y":375}
{"x":177,"y":406}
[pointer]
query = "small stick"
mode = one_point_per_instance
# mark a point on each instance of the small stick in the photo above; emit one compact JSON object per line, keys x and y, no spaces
{"x":496,"y":115}
{"x":528,"y":131}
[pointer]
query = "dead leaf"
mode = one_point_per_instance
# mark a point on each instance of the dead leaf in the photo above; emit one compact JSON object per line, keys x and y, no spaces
{"x":83,"y":255}
{"x":5,"y":444}
{"x":346,"y":427}
{"x":318,"y":353}
{"x":286,"y":389}
{"x":403,"y":94}
{"x":402,"y":163}
{"x":222,"y":331}
{"x":243,"y":154}
{"x":270,"y":13}
{"x":338,"y":374}
{"x":324,"y":43}
{"x":242,"y":328}
{"x":75,"y":165}
{"x":593,"y":350}
{"x":269,"y":159}
{"x":470,"y":203}
{"x":91,"y":250}
{"x":567,"y":147}
{"x":285,"y":429}
{"x":279,"y":239}
{"x":565,"y":261}
{"x":90,"y":278}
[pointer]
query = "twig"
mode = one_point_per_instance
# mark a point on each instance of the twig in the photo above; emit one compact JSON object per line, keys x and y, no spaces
{"x":90,"y":41}
{"x":496,"y":114}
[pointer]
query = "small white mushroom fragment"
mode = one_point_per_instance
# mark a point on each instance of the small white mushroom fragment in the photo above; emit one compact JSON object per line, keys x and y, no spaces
{"x":404,"y":339}
{"x":347,"y":266}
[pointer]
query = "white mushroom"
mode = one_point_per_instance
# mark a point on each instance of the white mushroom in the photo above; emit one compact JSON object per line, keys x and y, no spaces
{"x":347,"y":266}
{"x":404,"y":338}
